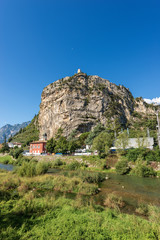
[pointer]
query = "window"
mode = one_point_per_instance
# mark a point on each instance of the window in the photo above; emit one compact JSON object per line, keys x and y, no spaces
{"x":33,"y":146}
{"x":38,"y":146}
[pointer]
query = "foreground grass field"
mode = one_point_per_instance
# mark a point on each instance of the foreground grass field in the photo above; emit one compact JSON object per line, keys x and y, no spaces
{"x":30,"y":209}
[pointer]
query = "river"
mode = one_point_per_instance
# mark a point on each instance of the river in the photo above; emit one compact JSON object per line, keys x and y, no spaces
{"x":132,"y":189}
{"x":8,"y":167}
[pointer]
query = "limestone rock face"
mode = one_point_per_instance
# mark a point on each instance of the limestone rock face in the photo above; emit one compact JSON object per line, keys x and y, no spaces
{"x":80,"y":102}
{"x":141,"y":106}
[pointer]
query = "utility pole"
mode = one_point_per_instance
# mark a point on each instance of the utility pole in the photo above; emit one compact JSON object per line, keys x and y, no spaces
{"x":158,"y":129}
{"x":148,"y":133}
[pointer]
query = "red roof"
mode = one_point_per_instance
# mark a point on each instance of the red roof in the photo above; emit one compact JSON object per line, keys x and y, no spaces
{"x":38,"y":142}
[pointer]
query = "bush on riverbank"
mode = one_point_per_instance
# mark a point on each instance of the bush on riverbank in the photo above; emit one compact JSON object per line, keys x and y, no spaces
{"x":74,"y":165}
{"x":57,"y":163}
{"x":30,"y":169}
{"x":91,"y":177}
{"x":143,"y":153}
{"x":122,"y":167}
{"x":113,"y":201}
{"x":86,"y":176}
{"x":142,"y":170}
{"x":142,"y":209}
{"x":6,"y":159}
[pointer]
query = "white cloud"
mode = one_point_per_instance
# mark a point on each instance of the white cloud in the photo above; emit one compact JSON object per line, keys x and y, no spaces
{"x":155,"y":101}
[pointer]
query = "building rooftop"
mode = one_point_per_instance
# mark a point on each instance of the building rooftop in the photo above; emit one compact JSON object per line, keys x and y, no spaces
{"x":41,"y":141}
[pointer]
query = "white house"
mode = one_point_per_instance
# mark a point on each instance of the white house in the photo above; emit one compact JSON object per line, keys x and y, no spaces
{"x":146,"y":142}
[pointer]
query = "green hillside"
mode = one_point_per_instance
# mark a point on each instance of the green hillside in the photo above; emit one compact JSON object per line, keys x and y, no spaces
{"x":27,"y":134}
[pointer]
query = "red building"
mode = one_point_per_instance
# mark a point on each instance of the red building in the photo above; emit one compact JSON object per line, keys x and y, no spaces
{"x":38,"y":147}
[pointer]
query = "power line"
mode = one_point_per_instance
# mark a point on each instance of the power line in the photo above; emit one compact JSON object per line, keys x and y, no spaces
{"x":158,"y":128}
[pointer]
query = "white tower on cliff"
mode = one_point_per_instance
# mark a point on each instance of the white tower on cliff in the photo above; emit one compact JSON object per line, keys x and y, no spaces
{"x":79,"y":70}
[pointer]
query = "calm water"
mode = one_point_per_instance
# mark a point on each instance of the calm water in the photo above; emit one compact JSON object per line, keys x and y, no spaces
{"x":132,"y":189}
{"x":8,"y":167}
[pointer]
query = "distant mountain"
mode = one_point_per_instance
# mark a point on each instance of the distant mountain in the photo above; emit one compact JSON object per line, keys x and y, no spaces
{"x":10,"y":130}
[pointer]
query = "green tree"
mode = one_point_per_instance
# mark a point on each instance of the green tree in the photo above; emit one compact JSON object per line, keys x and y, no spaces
{"x":72,"y":146}
{"x":141,"y":139}
{"x":59,"y":133}
{"x":122,"y":140}
{"x":96,"y":131}
{"x":122,"y":167}
{"x":72,"y":135}
{"x":61,"y":145}
{"x":5,"y":147}
{"x":16,"y":152}
{"x":82,"y":138}
{"x":50,"y":146}
{"x":103,"y":142}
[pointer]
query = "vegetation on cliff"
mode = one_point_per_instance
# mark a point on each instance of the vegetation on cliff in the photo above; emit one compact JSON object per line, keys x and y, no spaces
{"x":27,"y":134}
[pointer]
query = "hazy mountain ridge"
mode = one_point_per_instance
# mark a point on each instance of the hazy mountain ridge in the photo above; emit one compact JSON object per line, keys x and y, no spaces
{"x":10,"y":130}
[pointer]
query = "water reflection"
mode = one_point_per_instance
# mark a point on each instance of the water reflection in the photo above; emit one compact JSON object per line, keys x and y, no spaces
{"x":7,"y":167}
{"x":133,"y":189}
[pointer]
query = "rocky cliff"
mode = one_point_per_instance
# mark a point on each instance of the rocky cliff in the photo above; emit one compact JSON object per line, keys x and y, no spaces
{"x":80,"y":102}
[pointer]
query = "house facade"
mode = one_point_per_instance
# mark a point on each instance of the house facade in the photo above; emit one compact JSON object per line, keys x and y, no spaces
{"x":14,"y":144}
{"x":38,"y":147}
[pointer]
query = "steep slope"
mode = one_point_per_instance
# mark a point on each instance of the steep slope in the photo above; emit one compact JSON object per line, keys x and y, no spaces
{"x":80,"y":102}
{"x":10,"y":130}
{"x":28,"y":134}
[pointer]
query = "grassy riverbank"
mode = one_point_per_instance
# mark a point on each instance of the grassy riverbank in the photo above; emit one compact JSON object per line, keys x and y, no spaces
{"x":31,"y":209}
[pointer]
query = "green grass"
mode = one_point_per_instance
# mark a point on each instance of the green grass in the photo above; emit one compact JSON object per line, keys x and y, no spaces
{"x":28,"y":213}
{"x":6,"y":159}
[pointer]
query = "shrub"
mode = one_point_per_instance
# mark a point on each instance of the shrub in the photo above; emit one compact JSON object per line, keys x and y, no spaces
{"x":150,"y":156}
{"x":41,"y":168}
{"x":88,"y":189}
{"x":133,"y":154}
{"x":30,"y":169}
{"x":73,"y":165}
{"x":91,"y":177}
{"x":16,"y":152}
{"x":142,"y":209}
{"x":21,"y":160}
{"x":113,"y":201}
{"x":6,"y":160}
{"x":142,"y":170}
{"x":58,"y":162}
{"x":122,"y":167}
{"x":27,"y":169}
{"x":154,"y":214}
{"x":74,"y":184}
{"x":157,"y":155}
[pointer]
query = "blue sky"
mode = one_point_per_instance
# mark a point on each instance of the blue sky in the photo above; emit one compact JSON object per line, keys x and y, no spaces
{"x":42,"y":41}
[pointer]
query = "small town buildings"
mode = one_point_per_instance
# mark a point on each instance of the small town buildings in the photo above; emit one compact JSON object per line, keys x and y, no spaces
{"x":14,"y":144}
{"x":38,"y":147}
